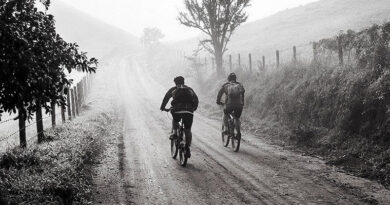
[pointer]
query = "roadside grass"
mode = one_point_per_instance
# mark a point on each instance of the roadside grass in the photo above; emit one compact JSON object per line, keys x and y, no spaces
{"x":339,"y":113}
{"x":58,"y":171}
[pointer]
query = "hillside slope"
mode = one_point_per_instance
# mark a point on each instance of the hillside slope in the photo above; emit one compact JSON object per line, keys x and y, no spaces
{"x":303,"y":24}
{"x":94,"y":36}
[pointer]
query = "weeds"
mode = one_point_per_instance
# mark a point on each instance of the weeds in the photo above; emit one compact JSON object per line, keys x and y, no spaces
{"x":55,"y":172}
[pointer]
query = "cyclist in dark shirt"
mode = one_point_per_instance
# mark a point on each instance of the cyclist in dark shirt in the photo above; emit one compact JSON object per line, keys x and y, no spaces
{"x":184,"y":104}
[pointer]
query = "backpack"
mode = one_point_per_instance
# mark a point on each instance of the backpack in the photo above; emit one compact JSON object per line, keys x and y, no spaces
{"x":183,"y":98}
{"x":234,"y":93}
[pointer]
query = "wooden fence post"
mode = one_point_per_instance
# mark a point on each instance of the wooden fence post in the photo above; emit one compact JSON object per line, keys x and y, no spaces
{"x":295,"y":54}
{"x":230,"y":63}
{"x":250,"y":62}
{"x":264,"y":62}
{"x":63,"y":110}
{"x":75,"y":101}
{"x":315,"y":56}
{"x":277,"y":59}
{"x":69,"y":104}
{"x":239,"y":61}
{"x":22,"y":126}
{"x":38,"y":119}
{"x":340,"y":47}
{"x":80,"y":94}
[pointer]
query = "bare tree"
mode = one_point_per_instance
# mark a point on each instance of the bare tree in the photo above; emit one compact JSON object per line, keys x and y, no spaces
{"x":218,"y":19}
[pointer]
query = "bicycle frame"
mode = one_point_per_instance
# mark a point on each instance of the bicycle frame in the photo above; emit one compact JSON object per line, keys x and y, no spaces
{"x":177,"y":145}
{"x":231,"y":136}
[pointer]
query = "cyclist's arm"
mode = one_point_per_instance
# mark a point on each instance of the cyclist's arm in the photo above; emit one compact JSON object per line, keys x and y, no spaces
{"x":168,"y":96}
{"x":243,"y":95}
{"x":220,"y":93}
{"x":196,"y":101}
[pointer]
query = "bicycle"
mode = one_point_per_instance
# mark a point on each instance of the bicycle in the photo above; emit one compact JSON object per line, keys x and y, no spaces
{"x":178,"y":144}
{"x":231,"y":135}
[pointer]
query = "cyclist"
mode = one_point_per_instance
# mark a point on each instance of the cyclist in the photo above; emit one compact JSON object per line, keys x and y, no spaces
{"x":184,"y":104}
{"x":234,"y":101}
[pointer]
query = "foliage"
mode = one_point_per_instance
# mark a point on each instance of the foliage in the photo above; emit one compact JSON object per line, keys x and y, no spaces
{"x":151,"y":36}
{"x":218,"y":20}
{"x":371,"y":46}
{"x":339,"y":112}
{"x":33,"y":58}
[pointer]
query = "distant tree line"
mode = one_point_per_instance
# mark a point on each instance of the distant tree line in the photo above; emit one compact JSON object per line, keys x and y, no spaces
{"x":33,"y":61}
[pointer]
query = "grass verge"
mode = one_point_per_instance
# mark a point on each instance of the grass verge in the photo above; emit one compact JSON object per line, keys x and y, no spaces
{"x":58,"y":171}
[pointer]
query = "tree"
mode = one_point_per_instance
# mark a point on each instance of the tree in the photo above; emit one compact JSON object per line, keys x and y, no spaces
{"x":32,"y":61}
{"x":151,"y":37}
{"x":218,"y":19}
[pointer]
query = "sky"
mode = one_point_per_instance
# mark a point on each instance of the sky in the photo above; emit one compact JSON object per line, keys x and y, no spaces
{"x":135,"y":15}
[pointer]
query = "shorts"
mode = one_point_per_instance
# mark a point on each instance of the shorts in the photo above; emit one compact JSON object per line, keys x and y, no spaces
{"x":236,"y":110}
{"x":186,"y":117}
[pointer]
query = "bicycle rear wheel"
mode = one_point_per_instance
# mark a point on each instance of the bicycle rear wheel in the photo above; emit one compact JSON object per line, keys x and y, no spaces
{"x":236,"y":140}
{"x":182,"y":157}
{"x":174,"y":148}
{"x":225,"y":138}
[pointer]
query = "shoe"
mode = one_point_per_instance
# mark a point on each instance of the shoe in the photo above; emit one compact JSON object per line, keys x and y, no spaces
{"x":188,"y":152}
{"x":173,"y":137}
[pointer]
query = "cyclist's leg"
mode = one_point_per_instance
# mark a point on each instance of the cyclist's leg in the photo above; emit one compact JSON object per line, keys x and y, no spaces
{"x":175,"y":125}
{"x":187,"y":121}
{"x":226,"y":111}
{"x":237,"y":116}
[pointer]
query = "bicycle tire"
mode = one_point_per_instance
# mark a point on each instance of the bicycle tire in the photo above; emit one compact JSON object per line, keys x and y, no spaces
{"x":225,"y":138}
{"x":174,"y":149}
{"x":183,"y":158}
{"x":236,"y":142}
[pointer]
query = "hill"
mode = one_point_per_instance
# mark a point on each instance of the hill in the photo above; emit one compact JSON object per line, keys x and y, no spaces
{"x":94,"y":36}
{"x":303,"y":24}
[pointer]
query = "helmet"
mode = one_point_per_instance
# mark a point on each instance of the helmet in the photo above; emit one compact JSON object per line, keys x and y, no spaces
{"x":232,"y":77}
{"x":179,"y":80}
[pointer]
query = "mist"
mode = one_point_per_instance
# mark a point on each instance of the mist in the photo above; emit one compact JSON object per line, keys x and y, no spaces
{"x":289,"y":102}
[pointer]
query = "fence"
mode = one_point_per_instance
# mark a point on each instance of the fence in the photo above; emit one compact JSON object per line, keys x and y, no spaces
{"x":75,"y":98}
{"x":252,"y":62}
{"x":369,"y":47}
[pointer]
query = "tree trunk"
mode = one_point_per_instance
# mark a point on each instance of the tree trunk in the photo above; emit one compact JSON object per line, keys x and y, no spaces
{"x":53,"y":114}
{"x":22,"y":126}
{"x":39,"y":121}
{"x":219,"y":61}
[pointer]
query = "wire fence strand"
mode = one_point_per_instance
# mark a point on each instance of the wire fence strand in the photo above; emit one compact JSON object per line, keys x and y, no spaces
{"x":27,"y":126}
{"x":5,"y":121}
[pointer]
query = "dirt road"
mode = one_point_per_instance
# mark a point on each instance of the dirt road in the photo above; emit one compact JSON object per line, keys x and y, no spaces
{"x":258,"y":174}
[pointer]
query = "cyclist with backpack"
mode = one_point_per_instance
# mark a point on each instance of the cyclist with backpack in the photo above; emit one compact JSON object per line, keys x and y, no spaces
{"x":184,"y":104}
{"x":234,"y":101}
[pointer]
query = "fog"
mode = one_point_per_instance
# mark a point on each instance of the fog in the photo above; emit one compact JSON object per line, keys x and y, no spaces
{"x":133,"y":15}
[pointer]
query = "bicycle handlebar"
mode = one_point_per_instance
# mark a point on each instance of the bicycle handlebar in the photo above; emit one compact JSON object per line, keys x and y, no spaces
{"x":167,"y":110}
